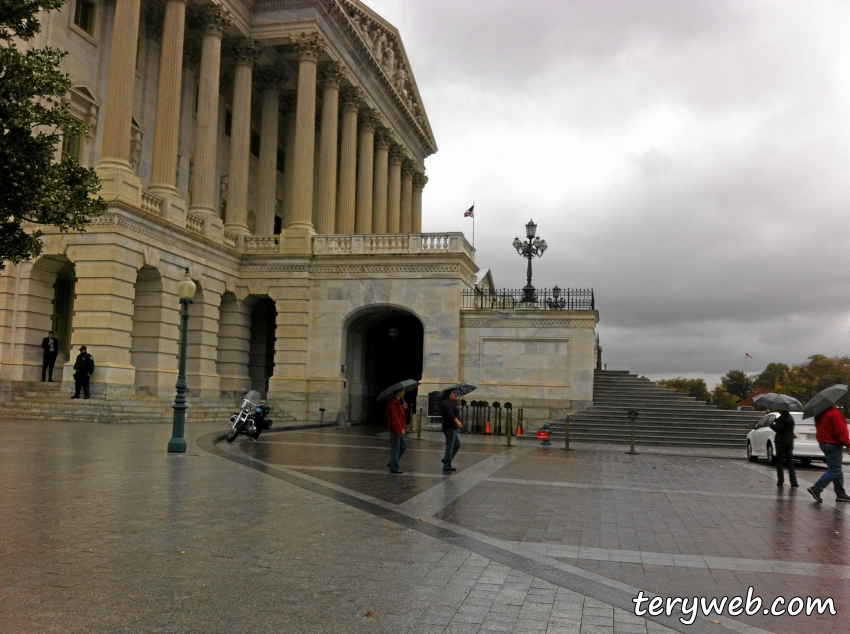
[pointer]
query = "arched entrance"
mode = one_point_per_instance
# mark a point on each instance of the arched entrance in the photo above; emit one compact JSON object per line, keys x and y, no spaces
{"x":383,"y":346}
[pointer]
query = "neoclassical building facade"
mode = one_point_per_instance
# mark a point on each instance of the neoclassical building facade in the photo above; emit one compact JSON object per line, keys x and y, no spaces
{"x":276,"y":149}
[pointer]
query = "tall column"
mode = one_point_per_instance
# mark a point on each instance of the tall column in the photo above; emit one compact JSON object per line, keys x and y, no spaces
{"x":419,"y":182}
{"x":240,"y":137}
{"x":332,"y":74}
{"x":270,"y":78}
{"x":204,"y":185}
{"x":352,"y":99}
{"x":394,"y":190}
{"x":289,"y":103}
{"x":365,"y":167}
{"x":379,"y":192}
{"x":114,"y":167}
{"x":166,"y":133}
{"x":309,"y":46}
{"x":406,"y":196}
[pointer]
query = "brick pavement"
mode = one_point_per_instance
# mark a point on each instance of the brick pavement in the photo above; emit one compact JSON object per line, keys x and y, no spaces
{"x":104,"y":532}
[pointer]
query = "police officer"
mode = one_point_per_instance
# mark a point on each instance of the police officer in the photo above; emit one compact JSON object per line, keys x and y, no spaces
{"x":83,"y":369}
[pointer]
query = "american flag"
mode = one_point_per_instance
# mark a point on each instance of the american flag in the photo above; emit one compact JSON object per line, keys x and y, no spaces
{"x":470,"y":213}
{"x":747,"y":354}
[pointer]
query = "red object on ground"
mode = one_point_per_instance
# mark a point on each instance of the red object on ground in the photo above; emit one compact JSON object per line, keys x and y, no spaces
{"x":487,"y":428}
{"x":543,"y":434}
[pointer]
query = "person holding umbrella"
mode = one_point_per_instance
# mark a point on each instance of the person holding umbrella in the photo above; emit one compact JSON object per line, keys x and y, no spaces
{"x":451,"y":424}
{"x":395,"y":417}
{"x":783,"y":425}
{"x":832,"y":437}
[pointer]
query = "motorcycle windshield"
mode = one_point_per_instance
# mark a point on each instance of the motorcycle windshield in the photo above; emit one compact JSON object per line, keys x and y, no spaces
{"x":252,"y":397}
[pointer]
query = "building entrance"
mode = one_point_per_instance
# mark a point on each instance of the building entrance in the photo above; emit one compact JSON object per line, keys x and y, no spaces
{"x":383,"y":346}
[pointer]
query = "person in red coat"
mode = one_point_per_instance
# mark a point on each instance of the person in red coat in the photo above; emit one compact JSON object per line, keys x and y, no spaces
{"x":395,"y":417}
{"x":833,"y":437}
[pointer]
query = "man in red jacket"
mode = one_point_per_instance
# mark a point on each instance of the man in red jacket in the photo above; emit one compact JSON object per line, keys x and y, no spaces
{"x":833,"y":437}
{"x":395,"y":417}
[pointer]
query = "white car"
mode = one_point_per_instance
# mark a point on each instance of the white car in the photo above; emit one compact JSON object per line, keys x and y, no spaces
{"x":760,"y":440}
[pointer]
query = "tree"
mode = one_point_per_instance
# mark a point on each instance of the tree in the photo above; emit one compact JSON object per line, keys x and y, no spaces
{"x":692,"y":387}
{"x":805,"y":380}
{"x":35,"y":189}
{"x":749,"y":400}
{"x":736,"y":383}
{"x":770,"y":375}
{"x":721,"y":398}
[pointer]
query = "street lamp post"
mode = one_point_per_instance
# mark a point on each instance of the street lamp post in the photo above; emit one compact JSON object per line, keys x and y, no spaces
{"x":533,"y":246}
{"x":186,"y":292}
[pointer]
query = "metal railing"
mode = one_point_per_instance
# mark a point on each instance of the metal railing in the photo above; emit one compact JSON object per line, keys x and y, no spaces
{"x":495,"y":419}
{"x":544,"y":299}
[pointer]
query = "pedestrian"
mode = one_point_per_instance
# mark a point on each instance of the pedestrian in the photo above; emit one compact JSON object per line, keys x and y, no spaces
{"x":395,"y":417}
{"x":783,"y":425}
{"x":50,"y":345}
{"x":833,"y":437}
{"x":451,"y":425}
{"x":83,"y":369}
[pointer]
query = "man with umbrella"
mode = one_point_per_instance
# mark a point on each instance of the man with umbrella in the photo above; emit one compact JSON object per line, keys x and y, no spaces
{"x":451,"y":424}
{"x":783,"y":425}
{"x":832,"y":437}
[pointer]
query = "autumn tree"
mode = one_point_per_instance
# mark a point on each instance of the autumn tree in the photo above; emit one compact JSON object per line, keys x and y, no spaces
{"x":35,"y":189}
{"x":770,"y":375}
{"x":736,"y":383}
{"x":722,"y":399}
{"x":692,"y":387}
{"x":819,"y":372}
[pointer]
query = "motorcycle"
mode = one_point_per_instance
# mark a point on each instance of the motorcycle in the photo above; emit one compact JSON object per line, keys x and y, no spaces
{"x":252,"y":417}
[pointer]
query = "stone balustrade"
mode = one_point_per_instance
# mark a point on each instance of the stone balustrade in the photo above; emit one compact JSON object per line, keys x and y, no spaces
{"x":151,"y":203}
{"x":261,"y":244}
{"x":194,"y":223}
{"x":413,"y":243}
{"x":231,"y":240}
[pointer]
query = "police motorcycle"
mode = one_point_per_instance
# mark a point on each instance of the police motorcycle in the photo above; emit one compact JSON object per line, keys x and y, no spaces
{"x":252,"y":417}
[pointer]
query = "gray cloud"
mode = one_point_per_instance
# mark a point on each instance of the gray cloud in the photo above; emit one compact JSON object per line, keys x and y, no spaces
{"x":687,"y":160}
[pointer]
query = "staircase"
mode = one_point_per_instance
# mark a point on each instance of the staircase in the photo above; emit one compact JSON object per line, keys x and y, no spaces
{"x":665,"y":416}
{"x":36,"y":401}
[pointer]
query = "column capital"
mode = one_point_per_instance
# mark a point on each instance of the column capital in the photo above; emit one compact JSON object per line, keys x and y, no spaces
{"x":384,"y":138}
{"x":397,"y":154}
{"x":368,"y":118}
{"x":352,"y":98}
{"x":331,"y":74}
{"x":269,"y":77}
{"x":246,"y":51}
{"x":419,"y":180}
{"x":309,"y":46}
{"x":214,"y":19}
{"x":407,"y":167}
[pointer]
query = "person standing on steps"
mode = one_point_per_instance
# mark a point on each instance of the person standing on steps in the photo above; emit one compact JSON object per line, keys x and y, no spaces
{"x":783,"y":425}
{"x":451,"y":426}
{"x":83,"y":369}
{"x":833,"y":437}
{"x":50,"y":345}
{"x":395,"y":417}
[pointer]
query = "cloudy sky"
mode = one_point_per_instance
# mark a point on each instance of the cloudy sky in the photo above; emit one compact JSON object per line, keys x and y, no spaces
{"x":688,"y":160}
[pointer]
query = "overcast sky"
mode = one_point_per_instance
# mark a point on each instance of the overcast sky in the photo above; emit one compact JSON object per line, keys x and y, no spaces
{"x":690,"y":161}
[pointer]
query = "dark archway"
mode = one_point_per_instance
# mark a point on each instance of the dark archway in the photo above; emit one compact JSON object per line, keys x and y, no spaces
{"x":261,"y":355}
{"x":383,"y":346}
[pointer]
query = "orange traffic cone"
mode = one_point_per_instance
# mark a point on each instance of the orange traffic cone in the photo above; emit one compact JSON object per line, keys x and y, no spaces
{"x":519,"y":429}
{"x":487,"y":428}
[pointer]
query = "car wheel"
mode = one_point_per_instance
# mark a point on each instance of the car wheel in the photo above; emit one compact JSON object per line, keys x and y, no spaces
{"x":750,"y":455}
{"x":805,"y":461}
{"x":771,"y":459}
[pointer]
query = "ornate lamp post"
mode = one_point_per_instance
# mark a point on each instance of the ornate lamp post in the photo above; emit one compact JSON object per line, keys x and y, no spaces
{"x":530,"y":248}
{"x":186,"y":292}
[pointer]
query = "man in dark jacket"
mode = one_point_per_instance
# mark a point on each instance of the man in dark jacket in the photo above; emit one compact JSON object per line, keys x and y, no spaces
{"x":451,"y":424}
{"x":833,"y":437}
{"x":83,"y":369}
{"x":783,"y":425}
{"x":50,"y":345}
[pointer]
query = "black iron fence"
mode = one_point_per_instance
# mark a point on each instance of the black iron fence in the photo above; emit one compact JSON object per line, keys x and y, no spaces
{"x":544,"y":299}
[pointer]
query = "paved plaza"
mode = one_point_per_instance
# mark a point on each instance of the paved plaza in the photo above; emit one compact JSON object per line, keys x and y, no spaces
{"x":306,"y":531}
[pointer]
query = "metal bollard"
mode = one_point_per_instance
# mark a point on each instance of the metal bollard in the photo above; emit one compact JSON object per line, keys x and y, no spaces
{"x":509,"y":421}
{"x":632,"y":416}
{"x":567,"y":443}
{"x":419,"y":425}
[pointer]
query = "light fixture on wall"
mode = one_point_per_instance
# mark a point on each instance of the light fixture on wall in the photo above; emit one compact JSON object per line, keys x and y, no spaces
{"x":392,"y":332}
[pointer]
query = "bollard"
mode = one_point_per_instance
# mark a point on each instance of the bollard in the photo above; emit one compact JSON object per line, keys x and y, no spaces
{"x":321,"y":415}
{"x":632,"y":416}
{"x":419,"y":425}
{"x":567,"y":443}
{"x":509,"y":422}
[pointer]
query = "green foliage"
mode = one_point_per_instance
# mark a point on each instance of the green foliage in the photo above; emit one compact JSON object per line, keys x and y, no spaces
{"x":691,"y":387}
{"x":807,"y":379}
{"x":723,"y":399}
{"x":34,"y":189}
{"x":770,"y":375}
{"x":736,"y":383}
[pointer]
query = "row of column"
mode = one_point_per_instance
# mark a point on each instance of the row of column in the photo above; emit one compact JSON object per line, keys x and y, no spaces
{"x":372,"y":187}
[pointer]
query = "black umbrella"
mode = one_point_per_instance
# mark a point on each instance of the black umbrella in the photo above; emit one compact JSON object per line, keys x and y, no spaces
{"x":778,"y":401}
{"x":406,"y":385}
{"x":462,"y":389}
{"x":824,"y":399}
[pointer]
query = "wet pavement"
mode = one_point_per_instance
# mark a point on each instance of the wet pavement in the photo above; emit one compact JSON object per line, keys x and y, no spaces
{"x":306,"y":531}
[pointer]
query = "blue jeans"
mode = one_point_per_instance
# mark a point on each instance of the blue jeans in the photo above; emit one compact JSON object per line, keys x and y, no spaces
{"x":398,"y":443}
{"x":452,"y":447}
{"x":834,"y":472}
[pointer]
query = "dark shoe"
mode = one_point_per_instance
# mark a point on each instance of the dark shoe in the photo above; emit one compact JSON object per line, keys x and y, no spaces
{"x":86,"y":397}
{"x":448,"y":469}
{"x":75,"y":397}
{"x":443,"y":460}
{"x":397,"y":471}
{"x":842,"y":498}
{"x":795,"y":485}
{"x":780,"y":484}
{"x":389,"y":465}
{"x":50,"y":380}
{"x":815,"y":494}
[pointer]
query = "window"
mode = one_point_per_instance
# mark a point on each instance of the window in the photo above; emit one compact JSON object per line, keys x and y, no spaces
{"x":71,"y":147}
{"x":84,"y":15}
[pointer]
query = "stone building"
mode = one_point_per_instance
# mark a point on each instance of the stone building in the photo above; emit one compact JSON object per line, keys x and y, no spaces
{"x":276,"y":149}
